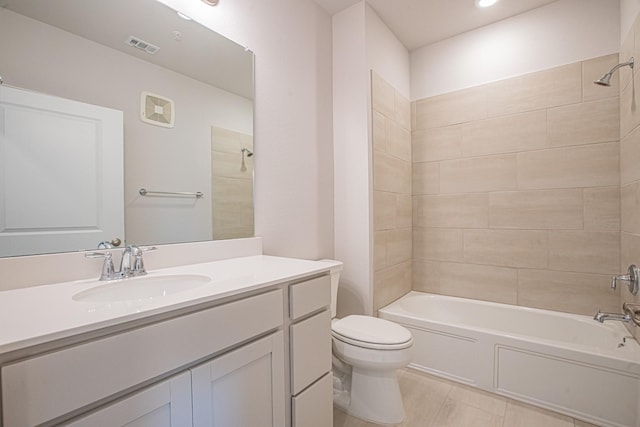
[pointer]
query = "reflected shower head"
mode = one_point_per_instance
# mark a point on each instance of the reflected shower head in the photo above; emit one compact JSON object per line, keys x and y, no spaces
{"x":605,"y":79}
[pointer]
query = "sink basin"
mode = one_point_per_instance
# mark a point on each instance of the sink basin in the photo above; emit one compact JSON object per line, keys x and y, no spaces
{"x":142,"y":288}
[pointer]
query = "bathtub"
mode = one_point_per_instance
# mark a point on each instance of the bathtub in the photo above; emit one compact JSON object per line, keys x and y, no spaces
{"x":564,"y":362}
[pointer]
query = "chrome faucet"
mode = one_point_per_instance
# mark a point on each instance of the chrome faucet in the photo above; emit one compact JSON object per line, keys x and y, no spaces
{"x":601,"y":317}
{"x":131,"y":264}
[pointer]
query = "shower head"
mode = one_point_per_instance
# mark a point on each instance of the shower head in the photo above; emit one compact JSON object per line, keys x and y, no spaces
{"x":246,"y":151}
{"x":605,"y":79}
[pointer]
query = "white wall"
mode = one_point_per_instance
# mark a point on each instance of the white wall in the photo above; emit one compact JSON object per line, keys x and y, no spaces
{"x":361,"y":42}
{"x":560,"y":33}
{"x":293,"y":123}
{"x":629,"y":10}
{"x":386,"y":54}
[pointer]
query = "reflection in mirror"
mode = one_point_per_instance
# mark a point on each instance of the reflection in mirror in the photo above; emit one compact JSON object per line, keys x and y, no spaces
{"x":187,"y":115}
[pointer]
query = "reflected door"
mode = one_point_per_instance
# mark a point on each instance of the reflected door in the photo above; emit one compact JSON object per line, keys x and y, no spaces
{"x":61,"y":174}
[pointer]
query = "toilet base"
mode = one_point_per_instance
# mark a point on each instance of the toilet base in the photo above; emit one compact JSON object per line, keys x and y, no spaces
{"x":374,"y":396}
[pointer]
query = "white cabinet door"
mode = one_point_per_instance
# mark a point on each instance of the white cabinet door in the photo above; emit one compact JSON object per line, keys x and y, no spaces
{"x":243,"y":388}
{"x":166,"y":404}
{"x":61,"y":174}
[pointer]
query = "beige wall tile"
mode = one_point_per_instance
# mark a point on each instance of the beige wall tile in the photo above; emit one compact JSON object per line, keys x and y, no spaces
{"x":630,"y":208}
{"x":398,"y":141}
{"x":602,"y":209}
{"x":379,"y":250}
{"x":580,"y":293}
{"x":595,"y":165}
{"x":404,"y":206}
{"x":584,"y":123}
{"x":384,"y":210}
{"x":629,"y":109}
{"x":437,"y":144}
{"x":544,"y":89}
{"x":391,"y":283}
{"x":631,"y":255}
{"x":398,"y":246}
{"x":592,"y":70}
{"x":454,"y":211}
{"x":379,"y":132}
{"x":479,"y":174}
{"x":508,"y":134}
{"x":584,"y":251}
{"x":383,"y":96}
{"x":425,"y":276}
{"x":426,"y":178}
{"x":541,"y":209}
{"x":484,"y":282}
{"x":443,"y":244}
{"x":452,"y":108}
{"x":403,"y":111}
{"x":510,"y":248}
{"x":229,"y":141}
{"x":630,"y":157}
{"x":391,"y":174}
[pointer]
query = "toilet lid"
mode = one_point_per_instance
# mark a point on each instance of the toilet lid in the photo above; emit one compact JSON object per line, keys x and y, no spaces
{"x":371,"y":332}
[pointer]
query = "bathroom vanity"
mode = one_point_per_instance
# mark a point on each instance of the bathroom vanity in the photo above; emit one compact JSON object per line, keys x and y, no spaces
{"x":244,"y":342}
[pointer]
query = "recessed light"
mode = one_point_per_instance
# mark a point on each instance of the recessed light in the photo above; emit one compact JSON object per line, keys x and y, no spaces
{"x":211,"y":2}
{"x":485,"y":3}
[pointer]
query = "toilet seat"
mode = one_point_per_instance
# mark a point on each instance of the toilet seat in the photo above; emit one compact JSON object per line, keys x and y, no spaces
{"x":371,"y":332}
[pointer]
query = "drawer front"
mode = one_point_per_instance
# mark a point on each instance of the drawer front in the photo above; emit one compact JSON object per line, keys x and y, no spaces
{"x":314,"y":406}
{"x":310,"y":350}
{"x":48,"y":386}
{"x":309,"y":296}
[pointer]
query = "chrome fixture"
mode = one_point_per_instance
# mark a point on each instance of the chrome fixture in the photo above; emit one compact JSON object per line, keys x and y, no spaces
{"x":631,"y":278}
{"x":604,"y":80}
{"x":249,"y":153}
{"x":131,"y":264}
{"x":601,"y":317}
{"x":633,"y":311}
{"x":145,"y":192}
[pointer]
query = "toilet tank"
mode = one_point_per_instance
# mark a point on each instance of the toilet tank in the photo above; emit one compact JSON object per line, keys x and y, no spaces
{"x":336,"y":269}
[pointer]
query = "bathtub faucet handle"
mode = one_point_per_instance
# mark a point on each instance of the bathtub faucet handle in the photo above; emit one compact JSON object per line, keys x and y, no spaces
{"x":631,"y":279}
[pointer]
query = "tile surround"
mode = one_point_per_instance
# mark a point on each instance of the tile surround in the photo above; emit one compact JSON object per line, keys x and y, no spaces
{"x":392,"y":195}
{"x":629,"y":156}
{"x":520,"y":178}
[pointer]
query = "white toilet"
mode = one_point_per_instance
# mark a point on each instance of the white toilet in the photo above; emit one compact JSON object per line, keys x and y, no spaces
{"x":366,"y":353}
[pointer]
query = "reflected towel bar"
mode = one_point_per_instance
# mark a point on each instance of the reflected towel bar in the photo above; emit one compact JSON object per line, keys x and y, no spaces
{"x":145,"y":192}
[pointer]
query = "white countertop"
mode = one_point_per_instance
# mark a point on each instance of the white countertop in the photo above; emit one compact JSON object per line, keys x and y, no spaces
{"x":42,"y":314}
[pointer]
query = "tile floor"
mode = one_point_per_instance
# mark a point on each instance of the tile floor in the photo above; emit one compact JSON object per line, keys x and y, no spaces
{"x":433,"y":402}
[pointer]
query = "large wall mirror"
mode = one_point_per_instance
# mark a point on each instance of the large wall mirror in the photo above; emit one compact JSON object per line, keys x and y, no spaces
{"x":120,"y":120}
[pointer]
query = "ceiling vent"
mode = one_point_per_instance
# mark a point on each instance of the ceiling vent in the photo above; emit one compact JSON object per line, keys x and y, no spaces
{"x":142,"y":45}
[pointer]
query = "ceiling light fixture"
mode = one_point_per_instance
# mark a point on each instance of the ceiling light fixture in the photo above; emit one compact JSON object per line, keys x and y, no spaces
{"x":211,"y":2}
{"x":485,"y":3}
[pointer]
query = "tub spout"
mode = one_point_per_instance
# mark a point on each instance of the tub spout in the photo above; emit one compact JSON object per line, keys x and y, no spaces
{"x":601,"y":317}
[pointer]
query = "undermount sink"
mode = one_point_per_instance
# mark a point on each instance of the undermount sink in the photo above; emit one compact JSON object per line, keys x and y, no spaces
{"x":142,"y":288}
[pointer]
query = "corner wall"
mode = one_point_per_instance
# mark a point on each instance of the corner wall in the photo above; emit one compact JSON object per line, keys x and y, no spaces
{"x":629,"y":161}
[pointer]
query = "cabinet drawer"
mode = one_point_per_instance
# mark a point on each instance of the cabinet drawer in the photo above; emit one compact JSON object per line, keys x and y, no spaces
{"x":310,"y":350}
{"x":309,"y":296}
{"x":314,"y":406}
{"x":48,"y":386}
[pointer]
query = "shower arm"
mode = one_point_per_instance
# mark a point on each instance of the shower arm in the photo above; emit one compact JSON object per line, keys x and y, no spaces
{"x":630,"y":63}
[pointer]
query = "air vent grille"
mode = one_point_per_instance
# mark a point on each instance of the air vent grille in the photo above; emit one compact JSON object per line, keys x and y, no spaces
{"x":138,"y":43}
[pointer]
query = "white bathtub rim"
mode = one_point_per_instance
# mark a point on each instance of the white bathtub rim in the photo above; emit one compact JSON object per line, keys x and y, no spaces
{"x":630,"y":353}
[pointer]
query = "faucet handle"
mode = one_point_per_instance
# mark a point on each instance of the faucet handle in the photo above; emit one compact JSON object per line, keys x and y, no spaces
{"x":631,"y":278}
{"x":137,"y":265}
{"x":108,"y":270}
